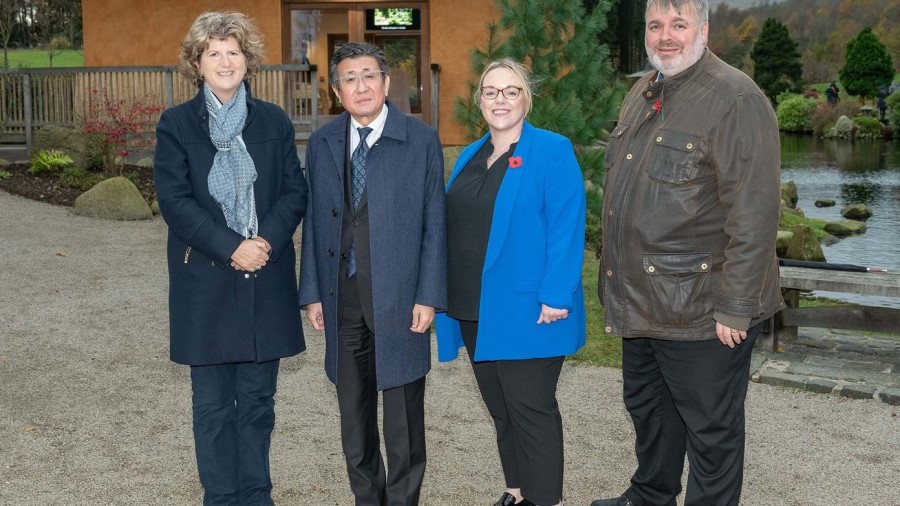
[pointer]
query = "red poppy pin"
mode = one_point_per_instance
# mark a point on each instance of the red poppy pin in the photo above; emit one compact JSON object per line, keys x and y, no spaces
{"x":515,"y":162}
{"x":657,"y":106}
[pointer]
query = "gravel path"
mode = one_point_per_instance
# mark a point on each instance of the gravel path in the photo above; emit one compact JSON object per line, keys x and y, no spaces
{"x":92,"y":411}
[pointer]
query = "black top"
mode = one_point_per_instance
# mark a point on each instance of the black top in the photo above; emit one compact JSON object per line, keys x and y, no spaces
{"x":470,"y":209}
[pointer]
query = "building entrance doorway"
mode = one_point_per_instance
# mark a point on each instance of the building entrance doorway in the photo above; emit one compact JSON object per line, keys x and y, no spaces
{"x":313,"y":30}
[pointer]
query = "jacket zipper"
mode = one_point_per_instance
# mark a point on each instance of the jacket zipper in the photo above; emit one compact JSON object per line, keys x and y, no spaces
{"x":187,"y":253}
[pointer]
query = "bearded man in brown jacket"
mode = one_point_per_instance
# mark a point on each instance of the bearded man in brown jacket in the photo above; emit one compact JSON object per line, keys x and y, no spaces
{"x":689,"y":273}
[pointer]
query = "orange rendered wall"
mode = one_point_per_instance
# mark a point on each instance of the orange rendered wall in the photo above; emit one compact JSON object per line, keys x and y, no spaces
{"x":457,"y":26}
{"x":149,"y":32}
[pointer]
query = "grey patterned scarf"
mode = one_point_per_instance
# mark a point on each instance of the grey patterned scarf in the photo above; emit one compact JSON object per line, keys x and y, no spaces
{"x":233,"y":173}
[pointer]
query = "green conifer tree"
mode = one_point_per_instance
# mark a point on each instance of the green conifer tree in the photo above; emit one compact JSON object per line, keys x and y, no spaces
{"x":867,"y":65}
{"x":577,"y":94}
{"x":776,"y":61}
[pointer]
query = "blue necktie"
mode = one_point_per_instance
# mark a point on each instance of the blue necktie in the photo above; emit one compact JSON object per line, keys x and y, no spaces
{"x":357,"y":185}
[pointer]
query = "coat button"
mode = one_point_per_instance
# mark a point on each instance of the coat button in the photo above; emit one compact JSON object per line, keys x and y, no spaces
{"x":704,"y":266}
{"x":649,"y":93}
{"x":609,"y":273}
{"x":333,"y":211}
{"x":690,"y":146}
{"x":628,"y":156}
{"x":247,"y":276}
{"x":355,"y":223}
{"x":659,"y":139}
{"x":651,"y":269}
{"x":608,"y":330}
{"x":610,"y":212}
{"x":330,"y":291}
{"x":330,"y":252}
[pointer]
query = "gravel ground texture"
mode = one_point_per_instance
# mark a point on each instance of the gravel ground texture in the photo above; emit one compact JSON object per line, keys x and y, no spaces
{"x":92,"y":412}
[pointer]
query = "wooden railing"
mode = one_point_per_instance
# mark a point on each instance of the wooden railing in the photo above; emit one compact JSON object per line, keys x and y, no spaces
{"x":35,"y":98}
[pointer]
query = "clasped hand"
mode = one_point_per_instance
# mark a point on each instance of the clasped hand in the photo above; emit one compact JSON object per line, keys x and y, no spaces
{"x":251,"y":255}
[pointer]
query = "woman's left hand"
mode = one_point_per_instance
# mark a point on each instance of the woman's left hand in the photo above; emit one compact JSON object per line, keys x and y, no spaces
{"x":551,"y":314}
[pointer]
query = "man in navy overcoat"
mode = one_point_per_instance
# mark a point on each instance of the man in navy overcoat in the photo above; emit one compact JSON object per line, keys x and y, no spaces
{"x":373,"y":271}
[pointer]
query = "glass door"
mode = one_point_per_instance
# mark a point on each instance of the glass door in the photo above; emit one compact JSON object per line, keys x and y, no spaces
{"x":316,"y":28}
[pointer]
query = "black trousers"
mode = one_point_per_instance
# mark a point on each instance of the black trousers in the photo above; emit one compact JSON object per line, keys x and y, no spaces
{"x":687,"y":397}
{"x":404,"y":417}
{"x":520,"y":395}
{"x":234,"y":414}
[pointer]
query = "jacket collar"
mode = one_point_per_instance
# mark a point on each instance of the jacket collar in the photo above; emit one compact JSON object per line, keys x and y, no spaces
{"x":670,"y":85}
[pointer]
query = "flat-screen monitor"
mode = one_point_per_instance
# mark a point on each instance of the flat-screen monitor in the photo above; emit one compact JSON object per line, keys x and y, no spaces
{"x":397,"y":18}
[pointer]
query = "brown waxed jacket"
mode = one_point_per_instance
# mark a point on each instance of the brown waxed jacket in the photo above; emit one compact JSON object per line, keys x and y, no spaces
{"x":691,"y":203}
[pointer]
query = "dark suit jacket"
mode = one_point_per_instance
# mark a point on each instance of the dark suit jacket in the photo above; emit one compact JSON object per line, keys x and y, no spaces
{"x":407,"y":239}
{"x":218,"y":314}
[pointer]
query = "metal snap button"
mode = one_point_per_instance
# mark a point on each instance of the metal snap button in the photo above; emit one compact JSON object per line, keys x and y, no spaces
{"x":651,"y":269}
{"x":628,"y":156}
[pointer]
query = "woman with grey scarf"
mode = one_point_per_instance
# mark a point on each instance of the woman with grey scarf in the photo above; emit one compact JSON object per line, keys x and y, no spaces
{"x":232,"y":193}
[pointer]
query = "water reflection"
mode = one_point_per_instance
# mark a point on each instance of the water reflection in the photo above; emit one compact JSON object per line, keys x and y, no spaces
{"x":863,"y":172}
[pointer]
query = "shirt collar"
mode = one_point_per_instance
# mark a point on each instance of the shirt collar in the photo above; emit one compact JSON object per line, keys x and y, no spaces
{"x":377,"y":126}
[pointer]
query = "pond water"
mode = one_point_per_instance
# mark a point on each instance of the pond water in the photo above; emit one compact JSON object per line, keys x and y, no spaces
{"x":866,"y":172}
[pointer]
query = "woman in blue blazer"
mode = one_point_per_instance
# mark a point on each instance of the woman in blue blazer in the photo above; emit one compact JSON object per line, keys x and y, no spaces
{"x":231,"y":191}
{"x":515,"y":229}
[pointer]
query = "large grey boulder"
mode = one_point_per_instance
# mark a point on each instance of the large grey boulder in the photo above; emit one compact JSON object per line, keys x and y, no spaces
{"x":804,"y":245}
{"x":116,"y":198}
{"x":844,"y":126}
{"x":70,"y":140}
{"x":789,"y":194}
{"x":843,"y":228}
{"x":859,"y":212}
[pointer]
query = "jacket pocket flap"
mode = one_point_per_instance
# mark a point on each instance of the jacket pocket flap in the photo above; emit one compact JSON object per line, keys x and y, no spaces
{"x":668,"y":264}
{"x":619,"y":131}
{"x":677,"y":140}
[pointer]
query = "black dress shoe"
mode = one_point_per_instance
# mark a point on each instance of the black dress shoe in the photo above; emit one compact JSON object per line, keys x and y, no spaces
{"x":615,"y":501}
{"x":508,"y":499}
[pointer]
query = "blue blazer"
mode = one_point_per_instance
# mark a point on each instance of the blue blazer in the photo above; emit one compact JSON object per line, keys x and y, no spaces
{"x":534,"y":255}
{"x":407,"y":236}
{"x":218,"y":314}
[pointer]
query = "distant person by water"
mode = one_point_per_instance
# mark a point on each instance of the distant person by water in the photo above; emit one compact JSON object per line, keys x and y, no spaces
{"x":833,"y":93}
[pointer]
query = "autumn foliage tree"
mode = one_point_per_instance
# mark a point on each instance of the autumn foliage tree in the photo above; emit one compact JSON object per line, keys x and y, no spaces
{"x":776,"y":61}
{"x":867,"y":65}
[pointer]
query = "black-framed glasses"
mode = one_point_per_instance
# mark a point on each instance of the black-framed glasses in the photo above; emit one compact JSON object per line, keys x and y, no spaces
{"x":369,"y":78}
{"x":509,"y":93}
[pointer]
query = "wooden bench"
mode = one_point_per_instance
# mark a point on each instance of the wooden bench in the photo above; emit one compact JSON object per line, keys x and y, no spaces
{"x":856,"y":317}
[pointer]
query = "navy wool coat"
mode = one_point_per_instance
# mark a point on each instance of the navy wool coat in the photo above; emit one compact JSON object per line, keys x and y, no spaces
{"x":407,"y":235}
{"x":218,"y":314}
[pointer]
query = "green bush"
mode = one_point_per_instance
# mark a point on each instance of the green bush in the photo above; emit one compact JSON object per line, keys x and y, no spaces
{"x":52,"y":160}
{"x":4,"y":174}
{"x":893,"y":102}
{"x":78,"y":177}
{"x":793,"y":113}
{"x":869,"y":128}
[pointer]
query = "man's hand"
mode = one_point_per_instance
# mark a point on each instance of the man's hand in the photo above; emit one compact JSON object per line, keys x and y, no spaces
{"x":551,"y":314}
{"x":730,"y":337}
{"x":314,"y":315}
{"x":422,"y":316}
{"x":251,"y":255}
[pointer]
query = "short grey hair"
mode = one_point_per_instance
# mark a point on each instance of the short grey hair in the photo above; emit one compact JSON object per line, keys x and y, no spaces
{"x":701,"y":7}
{"x":356,"y":50}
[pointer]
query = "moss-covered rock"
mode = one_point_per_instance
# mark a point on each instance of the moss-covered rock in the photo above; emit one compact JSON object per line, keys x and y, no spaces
{"x":782,"y":241}
{"x":843,"y":228}
{"x":116,"y":198}
{"x":825,"y":202}
{"x":789,"y":194}
{"x":860,"y":212}
{"x":804,"y":245}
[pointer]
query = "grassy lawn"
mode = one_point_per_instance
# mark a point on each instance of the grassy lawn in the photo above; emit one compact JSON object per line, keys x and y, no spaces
{"x":599,"y":349}
{"x":789,"y":221}
{"x":38,"y":58}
